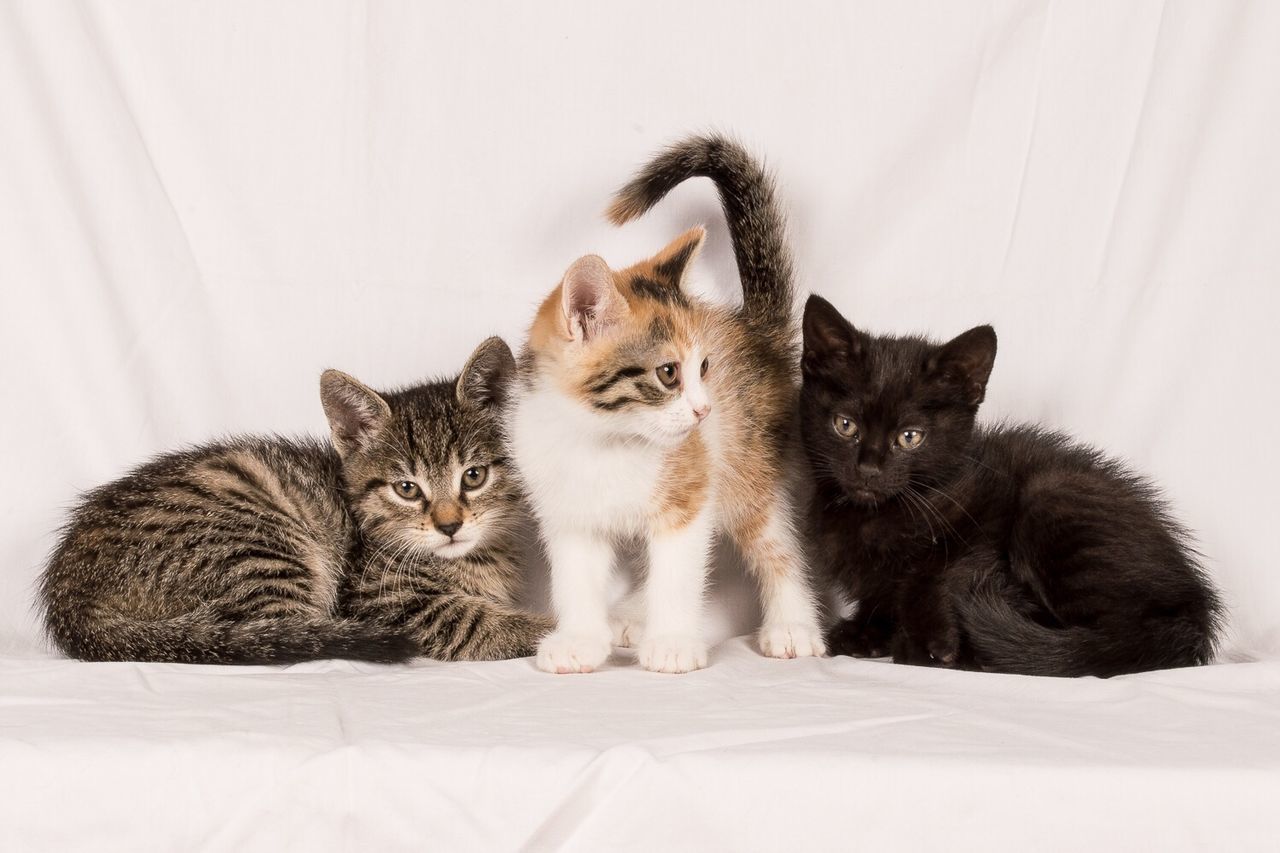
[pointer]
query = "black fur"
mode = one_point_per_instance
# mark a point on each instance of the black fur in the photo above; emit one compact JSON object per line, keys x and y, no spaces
{"x":1009,"y":549}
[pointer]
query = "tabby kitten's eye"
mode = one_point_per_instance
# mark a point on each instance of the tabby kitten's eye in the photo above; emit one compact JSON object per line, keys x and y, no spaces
{"x":669,"y":374}
{"x":474,"y":477}
{"x":910,"y":439}
{"x":407,"y":489}
{"x":706,"y":362}
{"x":845,"y":428}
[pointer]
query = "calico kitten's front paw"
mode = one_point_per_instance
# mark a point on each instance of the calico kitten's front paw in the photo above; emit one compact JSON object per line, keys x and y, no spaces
{"x":563,"y":652}
{"x":857,"y":638}
{"x":673,"y":654}
{"x":792,"y":641}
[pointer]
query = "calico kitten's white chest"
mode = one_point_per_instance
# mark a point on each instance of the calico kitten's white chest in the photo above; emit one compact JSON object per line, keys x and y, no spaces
{"x":577,"y":478}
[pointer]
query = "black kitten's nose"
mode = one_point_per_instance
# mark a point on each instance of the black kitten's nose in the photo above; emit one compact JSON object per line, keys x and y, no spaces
{"x":870,"y":472}
{"x":450,"y":528}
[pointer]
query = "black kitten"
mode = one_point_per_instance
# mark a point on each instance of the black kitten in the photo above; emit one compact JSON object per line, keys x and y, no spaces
{"x":1012,"y":550}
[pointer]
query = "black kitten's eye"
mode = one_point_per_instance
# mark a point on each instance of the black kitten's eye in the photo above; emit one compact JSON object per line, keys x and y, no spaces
{"x":407,"y":489}
{"x":474,"y":477}
{"x":910,"y":439}
{"x":706,"y":362}
{"x":844,"y":427}
{"x":669,"y":374}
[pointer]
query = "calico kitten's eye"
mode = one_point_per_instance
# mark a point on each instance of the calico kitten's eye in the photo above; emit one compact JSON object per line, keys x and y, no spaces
{"x":845,"y":428}
{"x":474,"y":477}
{"x":910,"y":439}
{"x":669,"y":374}
{"x":407,"y":489}
{"x":706,"y":362}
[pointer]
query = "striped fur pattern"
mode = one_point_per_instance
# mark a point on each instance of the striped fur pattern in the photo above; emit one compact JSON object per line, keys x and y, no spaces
{"x":642,"y":411}
{"x":266,"y":550}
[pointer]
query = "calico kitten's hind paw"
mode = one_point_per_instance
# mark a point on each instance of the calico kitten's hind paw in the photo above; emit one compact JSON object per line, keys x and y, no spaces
{"x":791,"y":641}
{"x":673,"y":654}
{"x":562,"y":652}
{"x":857,"y":639}
{"x":626,"y":632}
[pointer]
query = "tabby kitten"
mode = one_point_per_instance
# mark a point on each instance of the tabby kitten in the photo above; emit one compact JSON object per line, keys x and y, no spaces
{"x":240,"y":551}
{"x":641,"y":411}
{"x":1008,"y":549}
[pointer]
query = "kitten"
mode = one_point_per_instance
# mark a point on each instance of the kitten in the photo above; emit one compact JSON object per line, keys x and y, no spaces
{"x":239,"y":551}
{"x":1008,"y":549}
{"x":641,"y":411}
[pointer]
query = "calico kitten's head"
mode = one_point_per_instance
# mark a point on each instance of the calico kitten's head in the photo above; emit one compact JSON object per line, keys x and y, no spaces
{"x":629,"y":346}
{"x":884,"y":414}
{"x":425,"y":467}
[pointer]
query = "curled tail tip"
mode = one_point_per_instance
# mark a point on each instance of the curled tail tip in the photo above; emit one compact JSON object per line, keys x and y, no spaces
{"x":627,"y":205}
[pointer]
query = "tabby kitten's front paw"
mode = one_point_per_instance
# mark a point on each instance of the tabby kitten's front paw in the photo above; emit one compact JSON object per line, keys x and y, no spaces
{"x":563,"y":652}
{"x":673,"y":654}
{"x":792,"y":641}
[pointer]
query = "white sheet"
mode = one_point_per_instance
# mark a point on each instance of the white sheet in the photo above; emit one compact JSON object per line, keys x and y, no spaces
{"x":750,"y":754}
{"x":204,"y":205}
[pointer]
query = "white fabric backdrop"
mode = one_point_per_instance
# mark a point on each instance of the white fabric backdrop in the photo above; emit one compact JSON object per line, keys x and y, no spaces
{"x":204,"y":205}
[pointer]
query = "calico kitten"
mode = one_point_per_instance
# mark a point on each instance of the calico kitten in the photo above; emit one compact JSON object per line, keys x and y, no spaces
{"x":239,"y":551}
{"x":1009,"y":549}
{"x":641,"y":411}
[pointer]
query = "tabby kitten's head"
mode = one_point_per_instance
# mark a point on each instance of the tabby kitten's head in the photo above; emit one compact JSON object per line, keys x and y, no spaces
{"x":630,"y":346}
{"x":425,"y":467}
{"x":884,"y":415}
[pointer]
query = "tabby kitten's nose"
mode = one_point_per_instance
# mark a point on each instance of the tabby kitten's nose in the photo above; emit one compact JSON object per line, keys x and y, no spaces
{"x":450,"y":528}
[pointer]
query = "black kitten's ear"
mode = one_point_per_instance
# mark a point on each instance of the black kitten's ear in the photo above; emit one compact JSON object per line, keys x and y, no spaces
{"x":830,"y":341}
{"x":355,"y":412}
{"x":966,"y":361}
{"x":484,"y":379}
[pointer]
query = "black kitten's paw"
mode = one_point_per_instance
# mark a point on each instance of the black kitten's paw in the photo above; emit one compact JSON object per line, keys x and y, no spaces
{"x":856,"y":638}
{"x":942,"y":650}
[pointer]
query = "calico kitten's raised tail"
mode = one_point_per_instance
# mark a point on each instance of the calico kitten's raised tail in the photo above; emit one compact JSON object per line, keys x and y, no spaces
{"x":756,"y":225}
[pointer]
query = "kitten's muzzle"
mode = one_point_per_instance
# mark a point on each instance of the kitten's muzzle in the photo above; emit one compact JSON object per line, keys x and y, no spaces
{"x":450,"y":528}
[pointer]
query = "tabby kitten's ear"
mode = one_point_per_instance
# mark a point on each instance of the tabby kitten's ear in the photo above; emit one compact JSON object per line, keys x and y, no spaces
{"x":830,"y":341}
{"x":590,"y":303}
{"x":355,"y":411}
{"x":484,"y":378}
{"x":671,"y":264}
{"x":965,"y":362}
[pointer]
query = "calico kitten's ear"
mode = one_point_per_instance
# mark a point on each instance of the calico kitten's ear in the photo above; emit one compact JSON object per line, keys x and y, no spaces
{"x":589,"y":301}
{"x":355,"y":411}
{"x":671,"y":264}
{"x":966,"y":361}
{"x":830,"y":341}
{"x":485,"y":376}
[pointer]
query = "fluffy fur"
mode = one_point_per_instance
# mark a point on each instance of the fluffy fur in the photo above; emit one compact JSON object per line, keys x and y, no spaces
{"x":241,"y":551}
{"x":644,"y":412}
{"x":1012,"y":549}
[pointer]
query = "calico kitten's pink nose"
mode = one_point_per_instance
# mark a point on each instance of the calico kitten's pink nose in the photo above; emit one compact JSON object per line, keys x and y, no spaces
{"x":702,"y":411}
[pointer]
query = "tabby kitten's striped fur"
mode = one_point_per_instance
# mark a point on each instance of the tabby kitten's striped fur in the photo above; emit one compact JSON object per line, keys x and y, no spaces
{"x":642,"y":411}
{"x":395,"y":541}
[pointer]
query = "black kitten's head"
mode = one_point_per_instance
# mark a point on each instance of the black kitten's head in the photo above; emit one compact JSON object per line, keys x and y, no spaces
{"x":425,"y":467}
{"x":884,"y":414}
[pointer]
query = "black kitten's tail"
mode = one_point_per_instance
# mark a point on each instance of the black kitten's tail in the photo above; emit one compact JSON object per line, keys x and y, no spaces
{"x":756,"y":225}
{"x":204,"y":637}
{"x":1001,"y":639}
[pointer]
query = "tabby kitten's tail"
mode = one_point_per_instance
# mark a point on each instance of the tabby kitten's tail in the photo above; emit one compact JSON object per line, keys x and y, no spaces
{"x":1003,"y":639}
{"x":756,"y":225}
{"x":203,"y":636}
